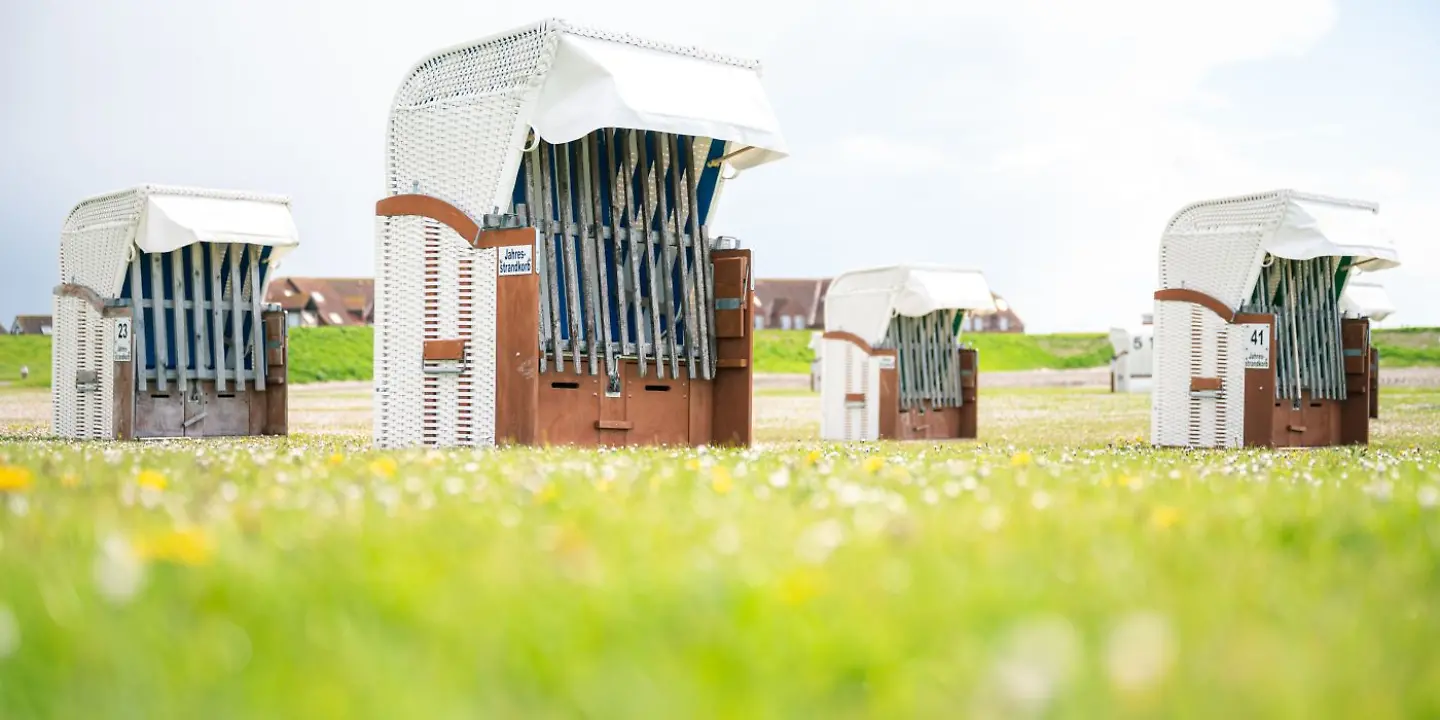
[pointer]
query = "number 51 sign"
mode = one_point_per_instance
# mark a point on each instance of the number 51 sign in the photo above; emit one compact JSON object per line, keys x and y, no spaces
{"x":1257,"y":346}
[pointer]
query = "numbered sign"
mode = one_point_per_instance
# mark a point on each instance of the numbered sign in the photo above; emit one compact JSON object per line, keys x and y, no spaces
{"x":123,"y":340}
{"x":887,"y":362}
{"x":1257,"y":346}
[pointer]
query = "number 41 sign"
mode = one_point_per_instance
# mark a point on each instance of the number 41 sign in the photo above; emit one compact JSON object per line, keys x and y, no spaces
{"x":1257,"y":346}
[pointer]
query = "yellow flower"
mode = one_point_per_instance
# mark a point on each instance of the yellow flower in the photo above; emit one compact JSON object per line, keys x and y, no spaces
{"x":182,"y":547}
{"x":70,"y":480}
{"x":1020,"y":459}
{"x":720,"y":480}
{"x":336,"y":459}
{"x":799,"y":587}
{"x":812,"y":457}
{"x":14,"y":479}
{"x":151,"y":479}
{"x":1164,"y":517}
{"x":873,"y":464}
{"x":603,"y":486}
{"x":548,"y":493}
{"x":692,"y":464}
{"x":384,"y":467}
{"x":1126,"y":481}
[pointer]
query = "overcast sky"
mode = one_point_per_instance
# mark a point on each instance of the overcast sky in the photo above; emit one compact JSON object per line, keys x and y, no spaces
{"x":1045,"y":142}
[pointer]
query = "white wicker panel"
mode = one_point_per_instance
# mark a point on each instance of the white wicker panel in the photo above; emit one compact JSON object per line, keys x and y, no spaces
{"x":1193,"y":342}
{"x":839,"y":358}
{"x":1170,"y":399}
{"x":482,"y":346}
{"x":65,"y":337}
{"x":399,"y":332}
{"x":460,"y":120}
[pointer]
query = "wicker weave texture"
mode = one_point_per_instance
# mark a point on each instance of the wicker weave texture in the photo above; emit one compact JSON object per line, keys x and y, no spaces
{"x":1214,"y":247}
{"x":97,"y":247}
{"x":848,"y":370}
{"x":458,"y":131}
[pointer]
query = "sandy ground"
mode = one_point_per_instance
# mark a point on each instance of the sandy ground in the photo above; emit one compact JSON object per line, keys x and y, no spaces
{"x":784,"y":407}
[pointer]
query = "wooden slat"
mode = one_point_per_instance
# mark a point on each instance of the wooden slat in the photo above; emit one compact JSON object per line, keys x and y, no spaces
{"x":182,"y":330}
{"x":687,"y":297}
{"x":602,"y":279}
{"x":137,"y":299}
{"x":548,"y":237}
{"x":256,"y":327}
{"x":443,"y":350}
{"x":667,"y":278}
{"x":200,"y":320}
{"x":217,"y":318}
{"x":632,"y":242}
{"x":162,"y":339}
{"x":534,"y":191}
{"x":647,"y":215}
{"x":591,"y":296}
{"x":237,"y":343}
{"x":701,"y":262}
{"x":618,"y":215}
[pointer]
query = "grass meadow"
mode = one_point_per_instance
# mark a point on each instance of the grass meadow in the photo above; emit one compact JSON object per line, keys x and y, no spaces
{"x":1056,"y":568}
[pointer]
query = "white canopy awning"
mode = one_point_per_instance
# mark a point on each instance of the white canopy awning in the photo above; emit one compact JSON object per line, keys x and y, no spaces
{"x":171,"y":222}
{"x":1366,"y":299}
{"x":1314,"y":228}
{"x":593,"y":84}
{"x":864,"y":301}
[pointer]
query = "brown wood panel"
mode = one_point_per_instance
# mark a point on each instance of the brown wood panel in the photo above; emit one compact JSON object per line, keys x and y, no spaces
{"x":227,"y":414}
{"x":732,"y":282}
{"x":123,"y":409}
{"x":1260,"y":408}
{"x":1374,"y":383}
{"x":889,"y":398}
{"x":433,"y":208}
{"x":258,"y":405}
{"x":567,"y":409}
{"x":1354,"y":416}
{"x":969,"y":412}
{"x":445,"y":349}
{"x":732,"y":422}
{"x":1195,"y":296}
{"x":702,"y":411}
{"x":855,"y":397}
{"x":613,"y":411}
{"x":659,"y":410}
{"x":277,"y":387}
{"x":160,"y":414}
{"x":1201,"y":384}
{"x":517,"y":371}
{"x":851,"y":338}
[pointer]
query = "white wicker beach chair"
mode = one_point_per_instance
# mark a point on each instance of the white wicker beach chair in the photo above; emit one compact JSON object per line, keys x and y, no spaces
{"x":1133,"y":363}
{"x":544,"y":264}
{"x":1250,"y":344}
{"x":893,"y":367}
{"x":160,"y":327}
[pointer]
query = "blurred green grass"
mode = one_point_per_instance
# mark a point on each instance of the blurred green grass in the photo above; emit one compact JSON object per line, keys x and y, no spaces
{"x":1055,"y":568}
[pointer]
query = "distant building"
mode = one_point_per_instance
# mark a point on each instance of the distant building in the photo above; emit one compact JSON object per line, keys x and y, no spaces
{"x":799,"y":304}
{"x":31,"y":325}
{"x":324,"y":302}
{"x":1002,"y":319}
{"x":790,"y":304}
